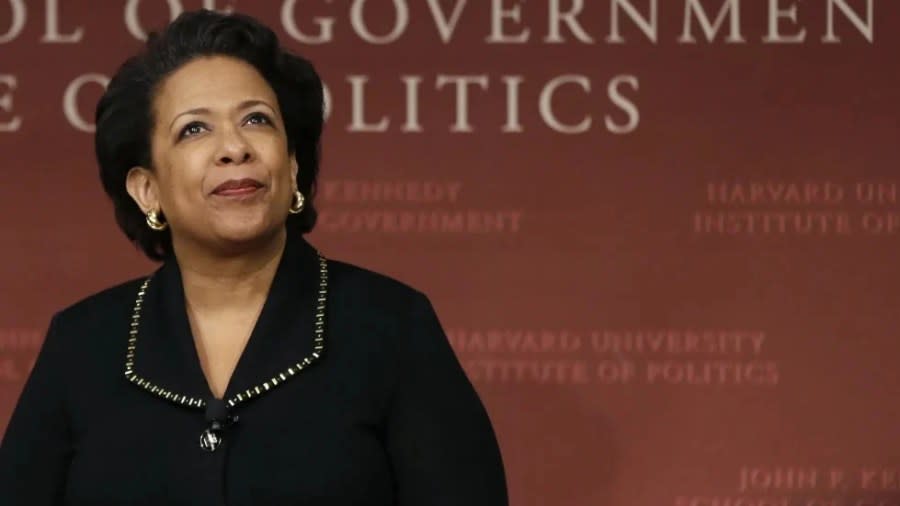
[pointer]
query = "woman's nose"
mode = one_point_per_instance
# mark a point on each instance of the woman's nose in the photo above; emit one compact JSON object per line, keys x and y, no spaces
{"x":234,"y":148}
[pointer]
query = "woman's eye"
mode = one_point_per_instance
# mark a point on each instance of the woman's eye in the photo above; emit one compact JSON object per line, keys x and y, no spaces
{"x":258,"y":118}
{"x":192,"y":128}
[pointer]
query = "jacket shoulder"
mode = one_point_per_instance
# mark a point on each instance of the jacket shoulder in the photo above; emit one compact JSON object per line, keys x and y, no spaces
{"x":379,"y":307}
{"x":369,"y":284}
{"x":103,"y":304}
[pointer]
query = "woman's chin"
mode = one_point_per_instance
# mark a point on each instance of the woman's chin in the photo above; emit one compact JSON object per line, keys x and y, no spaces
{"x":239,"y":233}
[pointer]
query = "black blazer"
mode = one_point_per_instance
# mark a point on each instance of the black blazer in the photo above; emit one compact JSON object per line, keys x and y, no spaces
{"x":385,"y":416}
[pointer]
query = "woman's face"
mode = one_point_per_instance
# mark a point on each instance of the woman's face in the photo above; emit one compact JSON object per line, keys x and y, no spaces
{"x":222,"y":174}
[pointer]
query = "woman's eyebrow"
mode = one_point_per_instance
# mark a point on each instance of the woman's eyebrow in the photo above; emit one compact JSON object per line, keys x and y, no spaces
{"x":246,"y":104}
{"x":196,"y":110}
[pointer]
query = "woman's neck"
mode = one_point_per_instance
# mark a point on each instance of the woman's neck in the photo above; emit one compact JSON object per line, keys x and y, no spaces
{"x":215,"y":282}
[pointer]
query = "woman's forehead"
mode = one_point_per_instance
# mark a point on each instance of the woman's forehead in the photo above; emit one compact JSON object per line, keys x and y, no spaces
{"x":212,"y":83}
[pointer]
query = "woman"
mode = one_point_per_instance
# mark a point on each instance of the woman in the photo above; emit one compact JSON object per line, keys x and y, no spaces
{"x":248,"y":369}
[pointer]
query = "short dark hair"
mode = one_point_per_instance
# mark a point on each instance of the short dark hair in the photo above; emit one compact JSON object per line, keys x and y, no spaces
{"x":125,"y":118}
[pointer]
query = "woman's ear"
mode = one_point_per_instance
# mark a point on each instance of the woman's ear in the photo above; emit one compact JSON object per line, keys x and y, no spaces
{"x":141,"y":185}
{"x":295,"y":167}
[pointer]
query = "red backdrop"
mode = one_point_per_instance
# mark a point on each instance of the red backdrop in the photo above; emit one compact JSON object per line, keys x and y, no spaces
{"x":662,"y":236}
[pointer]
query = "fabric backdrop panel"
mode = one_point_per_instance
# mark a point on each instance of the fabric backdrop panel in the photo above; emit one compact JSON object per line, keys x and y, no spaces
{"x":661,"y":235}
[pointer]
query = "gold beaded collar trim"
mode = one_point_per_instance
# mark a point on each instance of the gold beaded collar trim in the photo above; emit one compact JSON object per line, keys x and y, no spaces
{"x":248,"y":394}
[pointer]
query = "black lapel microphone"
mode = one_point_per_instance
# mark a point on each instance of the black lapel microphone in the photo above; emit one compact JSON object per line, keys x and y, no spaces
{"x":218,"y":420}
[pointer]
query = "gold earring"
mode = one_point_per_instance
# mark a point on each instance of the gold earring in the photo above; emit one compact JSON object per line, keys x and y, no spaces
{"x":296,"y":203}
{"x":154,"y":222}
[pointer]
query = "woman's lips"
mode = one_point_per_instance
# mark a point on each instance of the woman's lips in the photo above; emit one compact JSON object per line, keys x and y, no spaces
{"x":237,"y":187}
{"x":244,"y":190}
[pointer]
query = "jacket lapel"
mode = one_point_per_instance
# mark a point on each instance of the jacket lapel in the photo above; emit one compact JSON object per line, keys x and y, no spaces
{"x":283,"y":335}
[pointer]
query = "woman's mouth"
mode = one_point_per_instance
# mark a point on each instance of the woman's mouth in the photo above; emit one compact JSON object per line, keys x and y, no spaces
{"x":238,"y":187}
